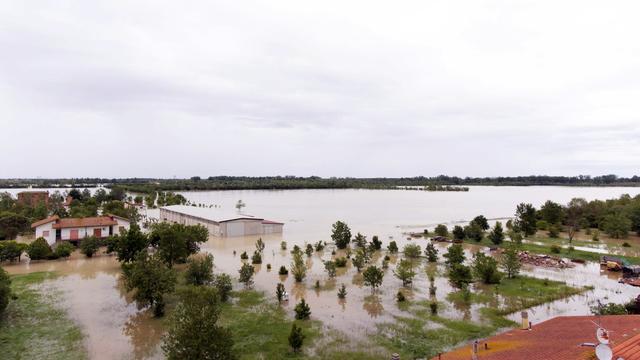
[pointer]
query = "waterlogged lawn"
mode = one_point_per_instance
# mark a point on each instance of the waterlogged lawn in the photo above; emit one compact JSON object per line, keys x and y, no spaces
{"x":422,"y":334}
{"x":261,"y":329}
{"x":33,"y":327}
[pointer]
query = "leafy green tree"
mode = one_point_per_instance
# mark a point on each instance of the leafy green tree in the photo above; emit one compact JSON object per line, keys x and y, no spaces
{"x":454,"y":255}
{"x":526,"y":219}
{"x":128,"y":244}
{"x":256,"y":258}
{"x":359,"y":260}
{"x":11,"y":224}
{"x":296,"y":338}
{"x":302,"y":310}
{"x":441,"y":230}
{"x":554,"y":231}
{"x":482,"y":222}
{"x":246,"y":274}
{"x":39,"y":249}
{"x":11,"y":250}
{"x":496,"y":235}
{"x":150,"y":279}
{"x":194,"y":332}
{"x":510,"y":262}
{"x":63,"y":250}
{"x":89,"y":246}
{"x":616,"y":225}
{"x":552,"y":212}
{"x":460,"y":276}
{"x":458,"y":232}
{"x":176,"y":242}
{"x":373,"y":277}
{"x":5,"y":290}
{"x":485,"y":268}
{"x":341,"y":234}
{"x":412,"y":251}
{"x":360,"y":240}
{"x":432,"y":253}
{"x":474,"y":231}
{"x":199,"y":270}
{"x":298,"y":268}
{"x":404,"y":272}
{"x":392,"y":247}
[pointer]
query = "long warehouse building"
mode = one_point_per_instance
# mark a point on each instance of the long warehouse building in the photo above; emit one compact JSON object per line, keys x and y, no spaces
{"x":218,"y":222}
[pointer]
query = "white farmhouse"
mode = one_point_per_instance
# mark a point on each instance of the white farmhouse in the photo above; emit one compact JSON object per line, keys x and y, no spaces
{"x":54,"y":229}
{"x":218,"y":222}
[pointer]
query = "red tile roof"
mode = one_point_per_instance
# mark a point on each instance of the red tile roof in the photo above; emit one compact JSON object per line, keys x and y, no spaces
{"x":628,"y":350}
{"x":84,"y":222}
{"x":44,"y":221}
{"x":556,"y":339}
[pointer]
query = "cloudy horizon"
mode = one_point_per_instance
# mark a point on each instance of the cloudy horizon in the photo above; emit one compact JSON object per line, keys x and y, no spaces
{"x":364,"y":89}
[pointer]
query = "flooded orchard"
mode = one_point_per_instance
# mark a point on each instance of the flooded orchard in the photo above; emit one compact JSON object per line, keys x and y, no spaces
{"x":92,"y":293}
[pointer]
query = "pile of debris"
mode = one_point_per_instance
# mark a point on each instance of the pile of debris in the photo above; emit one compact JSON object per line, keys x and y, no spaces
{"x":633,"y":281}
{"x":544,"y":260}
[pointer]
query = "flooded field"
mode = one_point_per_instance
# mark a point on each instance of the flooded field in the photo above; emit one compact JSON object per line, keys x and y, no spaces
{"x":115,"y":328}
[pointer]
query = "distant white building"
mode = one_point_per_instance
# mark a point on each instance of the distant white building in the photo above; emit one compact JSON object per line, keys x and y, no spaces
{"x":54,"y":229}
{"x":218,"y":222}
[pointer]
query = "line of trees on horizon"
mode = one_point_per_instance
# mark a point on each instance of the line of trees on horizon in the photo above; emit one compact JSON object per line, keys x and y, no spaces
{"x":147,"y":185}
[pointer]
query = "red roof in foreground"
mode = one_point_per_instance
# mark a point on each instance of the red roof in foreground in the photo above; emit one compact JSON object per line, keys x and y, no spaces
{"x":84,"y":222}
{"x":45,"y":221}
{"x":628,"y":350}
{"x":559,"y":339}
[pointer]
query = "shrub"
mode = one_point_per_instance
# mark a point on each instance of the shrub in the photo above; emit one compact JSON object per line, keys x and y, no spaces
{"x":434,"y":307}
{"x":11,"y":250}
{"x":303,"y":311}
{"x":554,"y":231}
{"x":412,"y":251}
{"x":454,"y":255}
{"x":342,"y":292}
{"x":330,"y":267}
{"x":280,"y":292}
{"x":244,"y":256}
{"x":431,"y":252}
{"x":496,"y":235}
{"x":89,"y":246}
{"x":485,"y":268}
{"x":296,"y":338}
{"x":268,"y":267}
{"x":283,"y":245}
{"x":441,"y":230}
{"x":400,"y":296}
{"x":64,"y":250}
{"x":595,"y":236}
{"x":376,"y":244}
{"x":222,"y":283}
{"x":626,"y":244}
{"x":373,"y":277}
{"x":404,"y":272}
{"x":283,"y":270}
{"x":341,"y":262}
{"x":309,"y":250}
{"x":555,"y":249}
{"x":5,"y":290}
{"x":474,"y":231}
{"x":39,"y":249}
{"x":392,"y":247}
{"x":542,"y":225}
{"x":199,"y":270}
{"x":319,"y":246}
{"x":246,"y":274}
{"x":460,"y":276}
{"x":458,"y":232}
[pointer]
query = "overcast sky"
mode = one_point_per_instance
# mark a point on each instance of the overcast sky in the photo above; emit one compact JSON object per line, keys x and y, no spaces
{"x":328,"y":88}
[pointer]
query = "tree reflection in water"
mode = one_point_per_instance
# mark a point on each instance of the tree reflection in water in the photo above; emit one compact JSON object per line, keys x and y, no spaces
{"x":373,"y":305}
{"x":145,"y":334}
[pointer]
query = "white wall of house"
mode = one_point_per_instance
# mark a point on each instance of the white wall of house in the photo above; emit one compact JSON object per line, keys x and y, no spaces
{"x":47,"y":232}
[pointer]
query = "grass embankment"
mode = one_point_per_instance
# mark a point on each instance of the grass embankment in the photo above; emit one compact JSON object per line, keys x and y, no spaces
{"x":423,"y":335}
{"x":571,"y":254}
{"x":33,"y":327}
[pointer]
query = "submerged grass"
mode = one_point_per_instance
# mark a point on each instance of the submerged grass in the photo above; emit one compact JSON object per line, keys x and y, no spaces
{"x":34,"y":328}
{"x":425,"y":335}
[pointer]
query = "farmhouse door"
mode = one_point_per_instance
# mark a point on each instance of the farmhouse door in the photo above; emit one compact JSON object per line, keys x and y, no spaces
{"x":73,"y":234}
{"x":97,"y":233}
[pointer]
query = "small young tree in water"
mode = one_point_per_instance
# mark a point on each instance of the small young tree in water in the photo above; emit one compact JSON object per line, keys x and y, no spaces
{"x":222,"y":283}
{"x":296,"y":338}
{"x":412,"y":251}
{"x":256,"y":258}
{"x":373,"y":277}
{"x":298,"y":269}
{"x":260,"y":245}
{"x":303,"y":311}
{"x":89,"y":246}
{"x":330,"y":267}
{"x":342,"y":292}
{"x":392,"y":247}
{"x":497,"y":234}
{"x":511,"y":261}
{"x":193,"y":331}
{"x":309,"y":250}
{"x":360,"y":240}
{"x":432,"y":253}
{"x":376,"y":244}
{"x":341,"y":234}
{"x":280,"y":292}
{"x":404,"y":271}
{"x":246,"y":274}
{"x":358,"y":260}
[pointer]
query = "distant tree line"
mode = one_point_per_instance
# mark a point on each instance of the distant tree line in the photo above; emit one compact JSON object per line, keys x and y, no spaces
{"x":148,"y":185}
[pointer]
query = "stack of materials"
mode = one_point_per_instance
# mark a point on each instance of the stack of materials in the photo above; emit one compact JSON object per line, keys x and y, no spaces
{"x":544,"y":260}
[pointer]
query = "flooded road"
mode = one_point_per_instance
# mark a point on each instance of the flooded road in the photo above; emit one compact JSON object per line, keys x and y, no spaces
{"x":115,"y":328}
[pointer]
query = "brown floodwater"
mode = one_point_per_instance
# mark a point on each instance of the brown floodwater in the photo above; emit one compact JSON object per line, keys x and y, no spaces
{"x":91,"y":291}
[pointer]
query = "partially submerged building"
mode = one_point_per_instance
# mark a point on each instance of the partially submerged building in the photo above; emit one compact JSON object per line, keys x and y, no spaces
{"x":55,"y":229}
{"x":33,"y":198}
{"x":218,"y":222}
